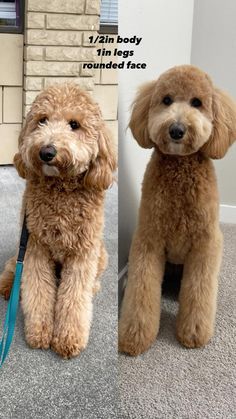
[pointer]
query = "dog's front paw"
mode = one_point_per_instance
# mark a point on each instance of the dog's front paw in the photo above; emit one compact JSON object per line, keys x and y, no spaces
{"x":193,"y":334}
{"x":39,"y":335}
{"x":68,"y":344}
{"x":135,"y":339}
{"x":6,"y":281}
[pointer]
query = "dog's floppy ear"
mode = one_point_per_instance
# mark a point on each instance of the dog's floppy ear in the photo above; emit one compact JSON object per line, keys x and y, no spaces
{"x":224,"y":126}
{"x":20,"y":165}
{"x":100,"y":173}
{"x":139,"y":117}
{"x":18,"y":161}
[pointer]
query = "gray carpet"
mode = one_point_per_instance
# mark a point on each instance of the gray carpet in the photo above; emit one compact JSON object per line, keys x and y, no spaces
{"x":170,"y":381}
{"x":39,"y":384}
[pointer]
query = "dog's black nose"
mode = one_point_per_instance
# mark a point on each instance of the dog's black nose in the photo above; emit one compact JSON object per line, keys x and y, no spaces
{"x":177,"y":131}
{"x":47,"y":153}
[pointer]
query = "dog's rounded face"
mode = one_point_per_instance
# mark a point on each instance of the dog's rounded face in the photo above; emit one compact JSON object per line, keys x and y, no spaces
{"x":61,"y":135}
{"x":180,"y":118}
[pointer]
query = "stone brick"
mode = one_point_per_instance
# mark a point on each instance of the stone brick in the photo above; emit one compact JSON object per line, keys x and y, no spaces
{"x":84,"y":82}
{"x":29,"y":97}
{"x":70,"y":54}
{"x":60,"y":6}
{"x":26,"y":110}
{"x":33,"y":53}
{"x":72,"y":22}
{"x":98,"y":71}
{"x":35,"y":20}
{"x":33,"y":83}
{"x":86,"y":72}
{"x":41,"y":68}
{"x":86,"y":41}
{"x":92,"y":7}
{"x":40,"y":37}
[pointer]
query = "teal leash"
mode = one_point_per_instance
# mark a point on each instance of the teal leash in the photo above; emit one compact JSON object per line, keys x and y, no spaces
{"x":10,"y":319}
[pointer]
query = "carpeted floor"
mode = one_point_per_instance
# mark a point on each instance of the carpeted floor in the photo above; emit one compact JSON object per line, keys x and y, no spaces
{"x":39,"y":384}
{"x":171,"y":382}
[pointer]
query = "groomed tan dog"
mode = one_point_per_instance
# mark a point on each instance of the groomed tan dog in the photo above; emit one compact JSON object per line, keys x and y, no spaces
{"x":67,"y":158}
{"x":187,"y":121}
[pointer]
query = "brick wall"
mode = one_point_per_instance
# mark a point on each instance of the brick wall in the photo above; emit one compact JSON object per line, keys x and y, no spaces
{"x":56,"y":44}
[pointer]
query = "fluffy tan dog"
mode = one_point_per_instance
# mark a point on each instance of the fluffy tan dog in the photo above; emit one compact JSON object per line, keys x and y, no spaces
{"x":67,"y":158}
{"x":187,"y":121}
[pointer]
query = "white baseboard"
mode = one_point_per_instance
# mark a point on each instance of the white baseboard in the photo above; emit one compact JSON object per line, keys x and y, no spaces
{"x":228,"y":214}
{"x":123,"y":272}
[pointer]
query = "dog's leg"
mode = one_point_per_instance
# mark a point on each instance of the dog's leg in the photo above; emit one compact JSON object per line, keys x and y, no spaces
{"x":102,"y":264}
{"x":38,"y":294}
{"x":140,"y":312}
{"x":73,"y":312}
{"x":6,"y":278}
{"x":198,"y":294}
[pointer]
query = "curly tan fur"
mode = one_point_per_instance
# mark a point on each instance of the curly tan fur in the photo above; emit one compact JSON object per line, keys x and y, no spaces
{"x":178,"y":217}
{"x":64,"y":205}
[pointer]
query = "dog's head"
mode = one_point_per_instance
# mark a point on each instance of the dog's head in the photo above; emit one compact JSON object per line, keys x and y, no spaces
{"x":182,"y":112}
{"x":65,"y":136}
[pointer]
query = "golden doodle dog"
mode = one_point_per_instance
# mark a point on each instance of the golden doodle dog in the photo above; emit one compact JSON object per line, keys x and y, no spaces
{"x":67,"y":158}
{"x":187,"y":121}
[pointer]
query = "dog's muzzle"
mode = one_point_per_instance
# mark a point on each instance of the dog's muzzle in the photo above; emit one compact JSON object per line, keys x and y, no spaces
{"x":47,"y":153}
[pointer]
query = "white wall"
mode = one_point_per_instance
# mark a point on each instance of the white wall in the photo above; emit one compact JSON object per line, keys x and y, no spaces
{"x":166,"y":29}
{"x":214,"y":49}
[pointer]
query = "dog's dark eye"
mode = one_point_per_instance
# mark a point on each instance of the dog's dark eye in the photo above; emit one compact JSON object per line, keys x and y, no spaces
{"x":74,"y":124}
{"x":43,"y":120}
{"x":196,"y":103}
{"x":167,"y":100}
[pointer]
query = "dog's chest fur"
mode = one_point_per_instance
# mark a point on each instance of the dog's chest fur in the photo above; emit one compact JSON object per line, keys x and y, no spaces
{"x":63,"y":220}
{"x":179,"y":202}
